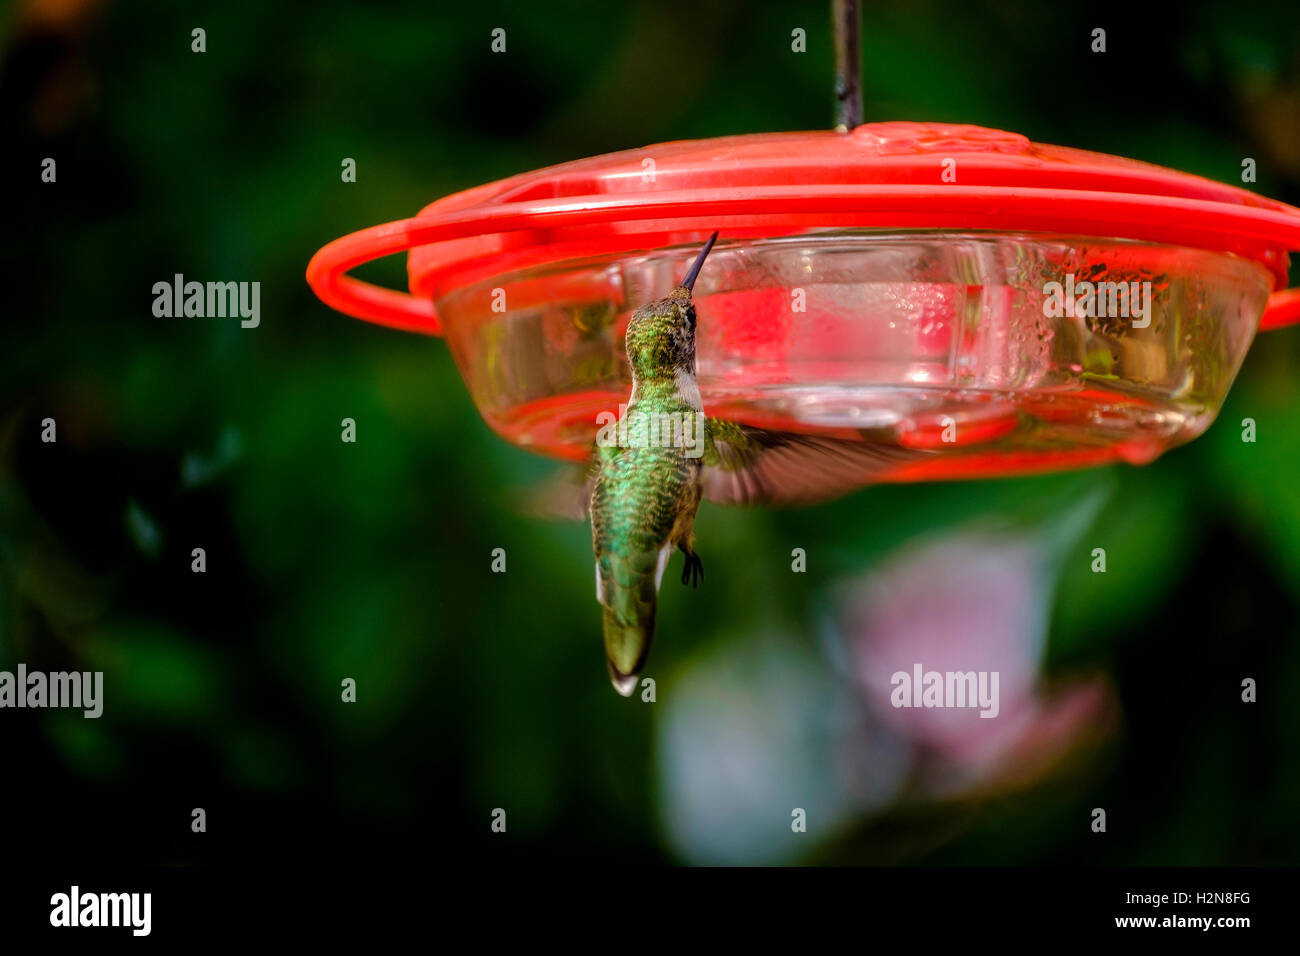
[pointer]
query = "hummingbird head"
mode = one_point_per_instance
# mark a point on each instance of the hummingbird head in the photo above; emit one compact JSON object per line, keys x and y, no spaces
{"x":661,"y":335}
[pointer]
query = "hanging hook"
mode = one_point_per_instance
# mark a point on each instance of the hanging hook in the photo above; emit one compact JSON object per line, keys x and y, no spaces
{"x":846,"y":23}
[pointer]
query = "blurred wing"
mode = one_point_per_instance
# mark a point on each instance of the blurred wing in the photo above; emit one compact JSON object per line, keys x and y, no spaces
{"x":755,"y":466}
{"x":566,"y":495}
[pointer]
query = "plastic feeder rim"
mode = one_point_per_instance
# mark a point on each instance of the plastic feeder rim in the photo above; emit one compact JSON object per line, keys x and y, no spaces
{"x":885,"y":176}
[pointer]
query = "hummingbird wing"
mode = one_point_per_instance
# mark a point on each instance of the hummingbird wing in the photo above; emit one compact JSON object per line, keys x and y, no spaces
{"x":744,"y":465}
{"x":564,"y":496}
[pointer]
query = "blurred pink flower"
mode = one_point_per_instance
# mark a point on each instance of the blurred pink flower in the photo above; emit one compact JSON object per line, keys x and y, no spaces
{"x":967,"y":602}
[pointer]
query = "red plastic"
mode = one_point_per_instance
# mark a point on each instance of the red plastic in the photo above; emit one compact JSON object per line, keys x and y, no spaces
{"x":880,"y":176}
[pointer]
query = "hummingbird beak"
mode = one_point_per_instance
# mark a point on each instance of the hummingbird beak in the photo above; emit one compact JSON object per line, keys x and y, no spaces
{"x":689,"y":282}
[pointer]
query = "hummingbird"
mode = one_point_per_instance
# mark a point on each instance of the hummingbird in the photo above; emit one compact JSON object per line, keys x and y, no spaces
{"x":644,"y":499}
{"x":646,"y":487}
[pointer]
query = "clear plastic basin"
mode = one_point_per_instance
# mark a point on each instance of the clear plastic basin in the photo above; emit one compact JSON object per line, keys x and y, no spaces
{"x":954,"y":342}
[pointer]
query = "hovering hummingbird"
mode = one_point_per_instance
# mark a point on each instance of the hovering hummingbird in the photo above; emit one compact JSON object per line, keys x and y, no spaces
{"x":644,"y":494}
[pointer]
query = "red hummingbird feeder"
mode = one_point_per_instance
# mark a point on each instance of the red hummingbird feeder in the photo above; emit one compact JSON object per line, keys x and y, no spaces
{"x":1011,"y":306}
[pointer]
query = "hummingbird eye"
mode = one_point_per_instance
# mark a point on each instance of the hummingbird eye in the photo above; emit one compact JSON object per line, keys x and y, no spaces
{"x":690,"y":316}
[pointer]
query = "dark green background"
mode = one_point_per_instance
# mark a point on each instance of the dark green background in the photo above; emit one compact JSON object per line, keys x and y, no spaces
{"x":371,"y":560}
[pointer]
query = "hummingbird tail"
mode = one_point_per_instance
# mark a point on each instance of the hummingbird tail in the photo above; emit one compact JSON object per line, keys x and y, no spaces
{"x":626,"y":648}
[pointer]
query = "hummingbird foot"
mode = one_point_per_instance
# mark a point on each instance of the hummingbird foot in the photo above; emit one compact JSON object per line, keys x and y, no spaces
{"x":692,"y":569}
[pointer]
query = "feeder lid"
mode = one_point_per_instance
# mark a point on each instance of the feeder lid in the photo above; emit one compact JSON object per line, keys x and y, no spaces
{"x":897,"y":175}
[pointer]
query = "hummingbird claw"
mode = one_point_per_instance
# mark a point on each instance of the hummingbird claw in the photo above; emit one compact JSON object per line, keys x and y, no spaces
{"x":692,"y":569}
